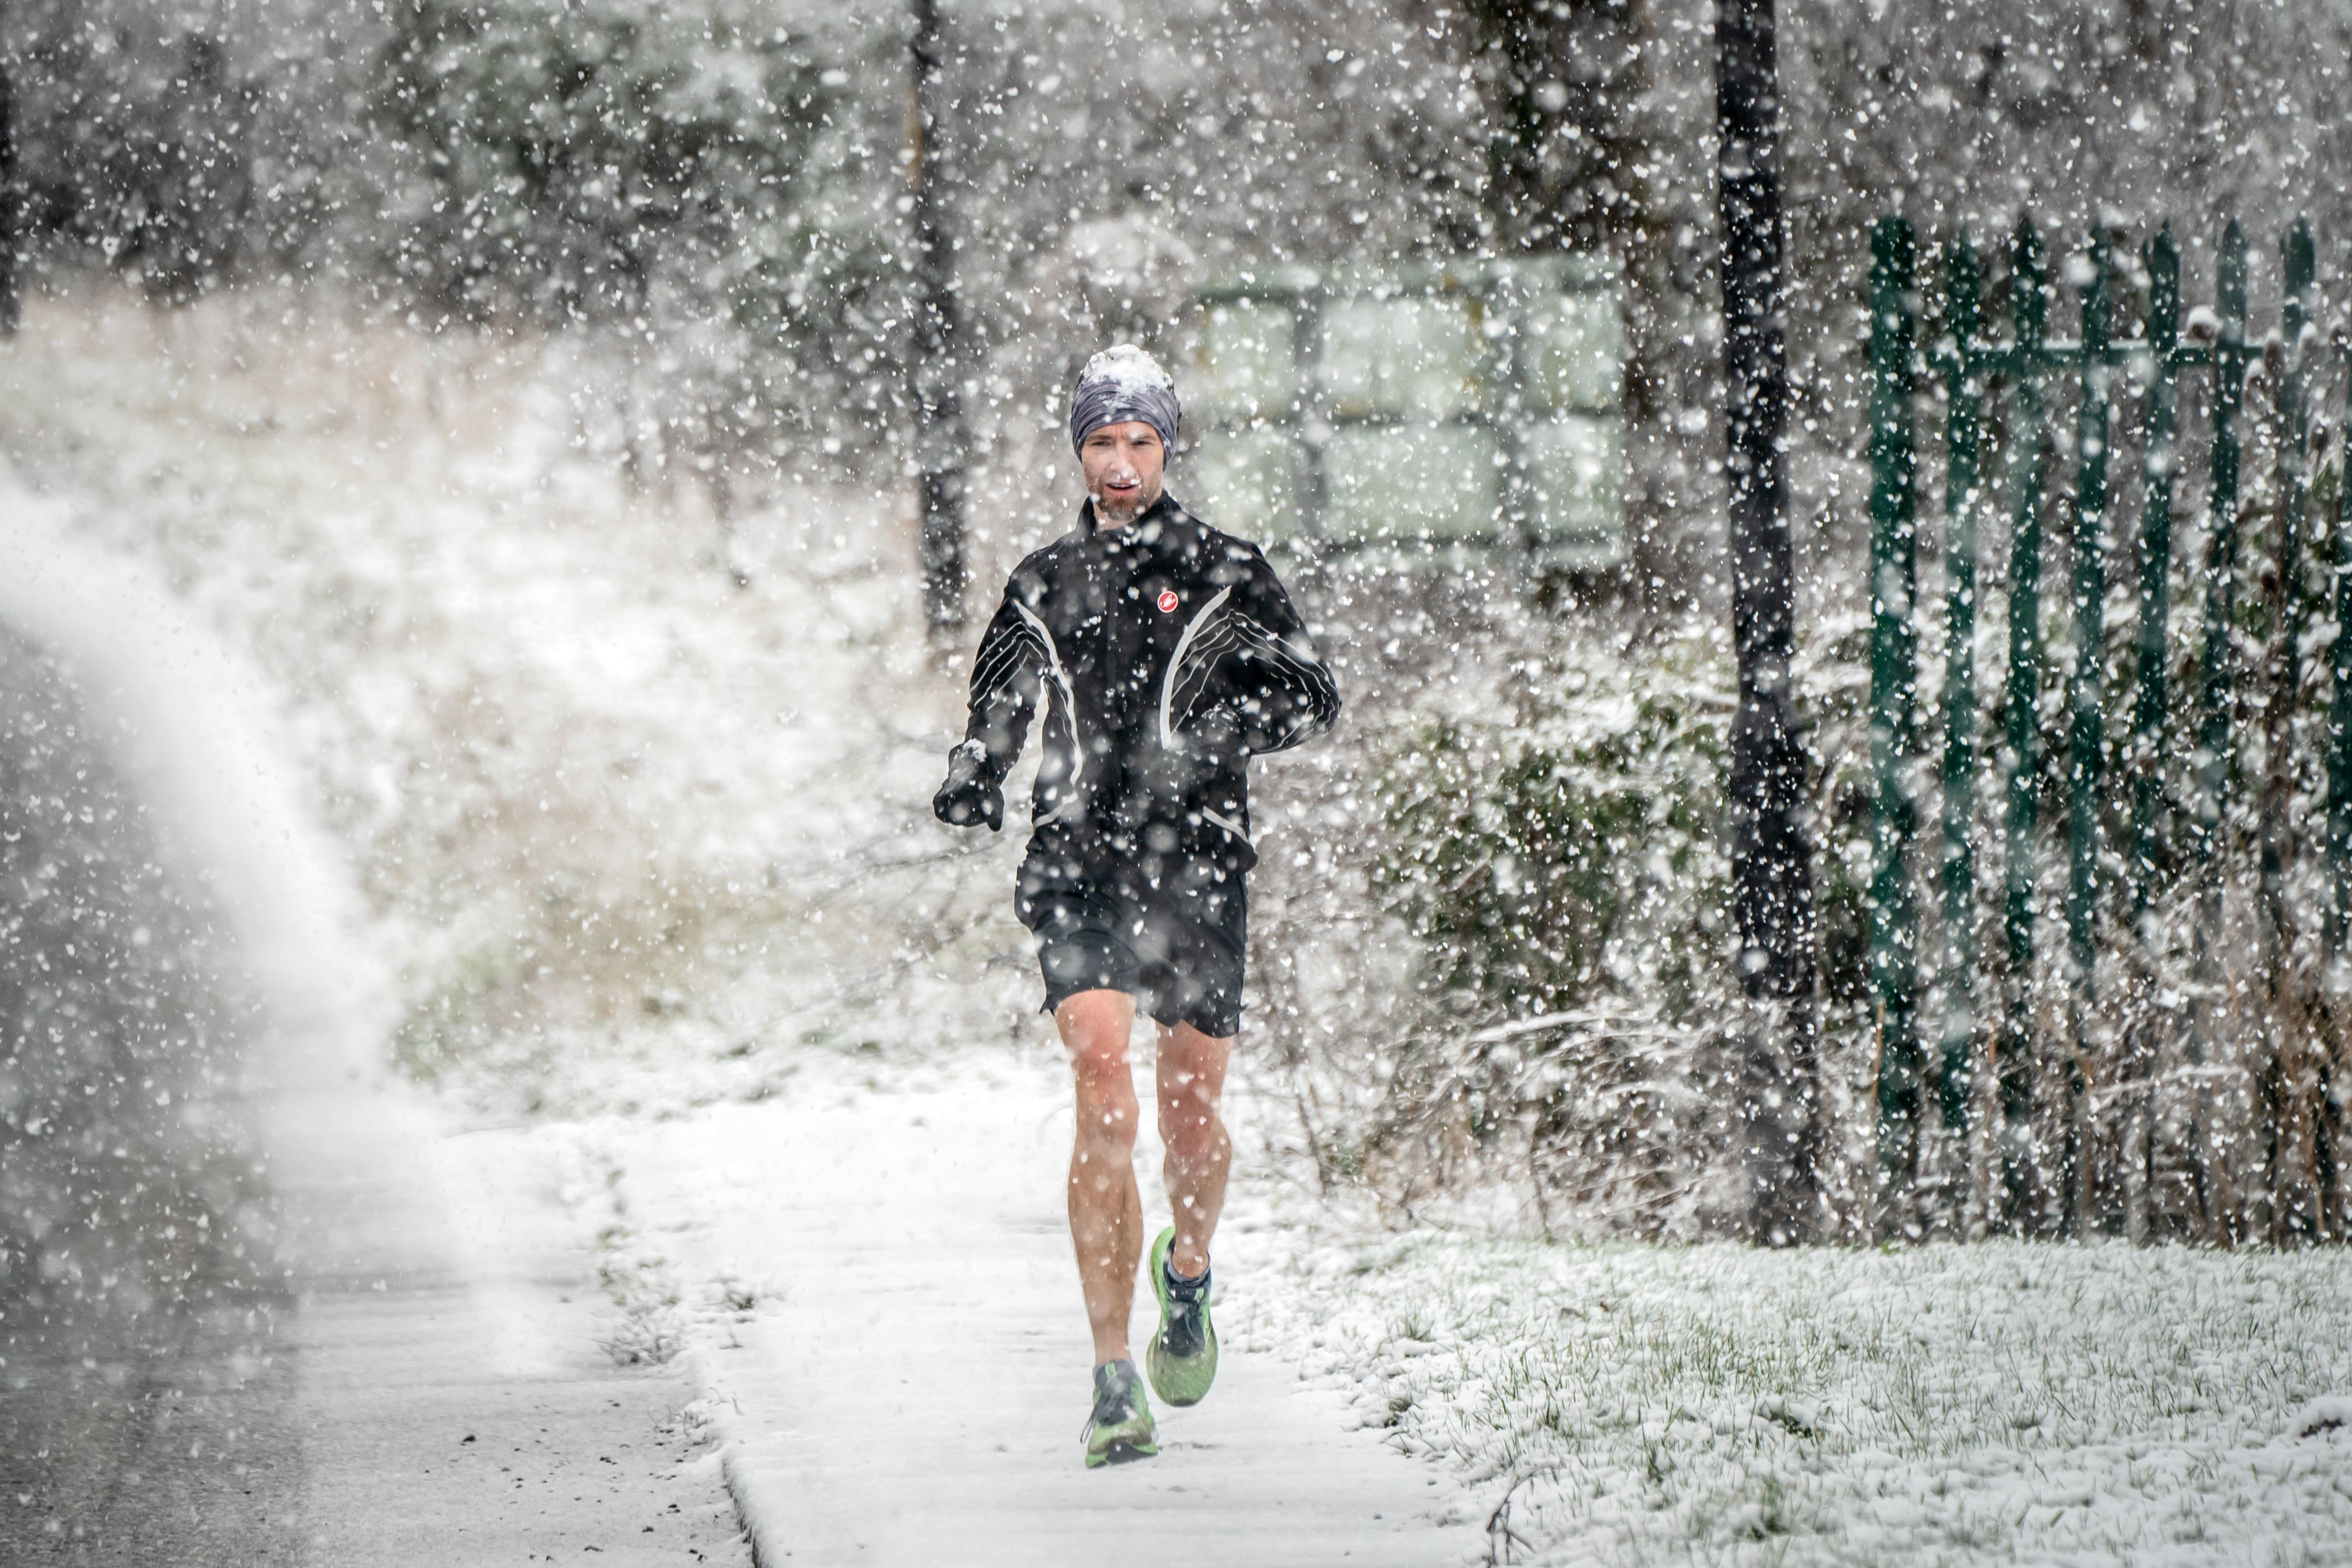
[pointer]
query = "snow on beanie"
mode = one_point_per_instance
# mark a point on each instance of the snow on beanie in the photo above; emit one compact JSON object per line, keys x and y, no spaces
{"x":1120,"y":384}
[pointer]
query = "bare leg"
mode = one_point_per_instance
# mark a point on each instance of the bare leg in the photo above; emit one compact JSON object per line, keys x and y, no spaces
{"x":1105,"y":1215}
{"x":1192,"y":1080}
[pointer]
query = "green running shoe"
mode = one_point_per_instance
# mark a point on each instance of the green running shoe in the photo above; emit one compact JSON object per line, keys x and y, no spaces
{"x":1183,"y":1355}
{"x":1120,"y":1428}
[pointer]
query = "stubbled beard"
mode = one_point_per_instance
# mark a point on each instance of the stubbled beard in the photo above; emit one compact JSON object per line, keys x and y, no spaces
{"x":1122,"y":512}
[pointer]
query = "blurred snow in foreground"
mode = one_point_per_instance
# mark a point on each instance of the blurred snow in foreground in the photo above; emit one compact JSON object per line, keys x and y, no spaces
{"x":637,"y":797}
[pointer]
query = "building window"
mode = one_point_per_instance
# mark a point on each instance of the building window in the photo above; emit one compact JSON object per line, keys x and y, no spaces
{"x":1428,"y":415}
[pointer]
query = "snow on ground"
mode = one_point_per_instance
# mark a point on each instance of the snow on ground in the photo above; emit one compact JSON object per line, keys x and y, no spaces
{"x":648,"y":854}
{"x":456,"y":1400}
{"x":873,"y":1280}
{"x":1983,"y":1403}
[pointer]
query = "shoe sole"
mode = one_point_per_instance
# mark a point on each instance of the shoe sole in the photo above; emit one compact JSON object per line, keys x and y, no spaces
{"x":1122,"y":1454}
{"x":1153,"y":1356}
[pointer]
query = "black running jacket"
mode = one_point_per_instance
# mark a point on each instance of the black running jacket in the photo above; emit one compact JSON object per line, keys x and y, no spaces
{"x":1167,"y":654}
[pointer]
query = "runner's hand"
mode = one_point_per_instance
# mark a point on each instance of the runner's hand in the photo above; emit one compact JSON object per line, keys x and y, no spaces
{"x":1217,"y":733}
{"x":970,"y":796}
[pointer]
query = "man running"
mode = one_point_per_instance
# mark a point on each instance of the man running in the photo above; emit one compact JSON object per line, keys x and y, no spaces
{"x":1166,"y":655}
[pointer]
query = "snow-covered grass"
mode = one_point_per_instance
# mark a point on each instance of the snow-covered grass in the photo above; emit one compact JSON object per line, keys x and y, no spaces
{"x":637,"y":840}
{"x":627,"y":787}
{"x":1996,"y":1402}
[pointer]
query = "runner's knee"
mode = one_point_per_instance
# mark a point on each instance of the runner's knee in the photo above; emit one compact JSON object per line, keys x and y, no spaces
{"x":1107,"y":1120}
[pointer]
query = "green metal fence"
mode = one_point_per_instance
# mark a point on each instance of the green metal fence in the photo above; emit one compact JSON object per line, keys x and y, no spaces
{"x":2141,"y":822}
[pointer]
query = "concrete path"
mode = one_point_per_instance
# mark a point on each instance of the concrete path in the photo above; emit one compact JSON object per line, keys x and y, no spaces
{"x":452,"y":1403}
{"x":428,"y":1387}
{"x":907,"y":1386}
{"x":377,"y":1345}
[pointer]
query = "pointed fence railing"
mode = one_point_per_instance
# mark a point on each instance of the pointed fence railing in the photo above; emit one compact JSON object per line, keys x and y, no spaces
{"x":2148,"y":815}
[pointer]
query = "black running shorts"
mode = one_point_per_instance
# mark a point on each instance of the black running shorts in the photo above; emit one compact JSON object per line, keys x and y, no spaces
{"x":1170,"y":931}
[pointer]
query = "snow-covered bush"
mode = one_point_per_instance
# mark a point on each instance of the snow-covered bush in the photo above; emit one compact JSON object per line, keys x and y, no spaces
{"x":562,"y":148}
{"x":1501,"y":964}
{"x":654,"y":169}
{"x":1542,"y":871}
{"x":139,"y":126}
{"x":1543,"y":881}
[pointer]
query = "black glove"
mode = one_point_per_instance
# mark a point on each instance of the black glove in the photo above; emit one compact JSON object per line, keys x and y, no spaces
{"x":970,"y":795}
{"x":1218,"y":736}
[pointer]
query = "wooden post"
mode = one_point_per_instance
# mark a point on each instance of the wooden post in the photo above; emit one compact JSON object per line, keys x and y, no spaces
{"x":1962,"y":428}
{"x":2283,"y":1080}
{"x":2085,"y":710}
{"x":2216,"y":675}
{"x":2161,"y":257}
{"x":2335,"y":1124}
{"x":2160,"y":332}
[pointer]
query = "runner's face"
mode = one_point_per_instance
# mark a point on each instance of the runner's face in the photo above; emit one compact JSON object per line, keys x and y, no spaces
{"x":1123,"y":466}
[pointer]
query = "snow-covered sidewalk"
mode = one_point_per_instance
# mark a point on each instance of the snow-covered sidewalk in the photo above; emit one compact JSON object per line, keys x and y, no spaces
{"x":878,"y":1294}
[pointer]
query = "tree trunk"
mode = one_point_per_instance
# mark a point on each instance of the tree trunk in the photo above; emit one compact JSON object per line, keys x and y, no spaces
{"x":939,"y":440}
{"x":1771,"y":859}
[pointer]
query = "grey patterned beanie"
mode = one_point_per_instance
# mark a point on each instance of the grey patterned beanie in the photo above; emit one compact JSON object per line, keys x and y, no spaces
{"x":1120,"y":384}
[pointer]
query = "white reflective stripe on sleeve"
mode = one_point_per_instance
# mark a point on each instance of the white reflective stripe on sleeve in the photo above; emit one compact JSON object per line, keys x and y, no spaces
{"x":1313,"y":681}
{"x":1176,"y":662}
{"x":1191,"y":682}
{"x":1070,"y":705}
{"x":998,"y":661}
{"x":1227,"y":824}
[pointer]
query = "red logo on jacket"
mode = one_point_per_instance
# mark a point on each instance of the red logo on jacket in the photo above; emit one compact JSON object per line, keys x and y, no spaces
{"x":1166,"y":600}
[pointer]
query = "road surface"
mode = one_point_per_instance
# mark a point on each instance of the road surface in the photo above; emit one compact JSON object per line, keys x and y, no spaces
{"x":255,"y":1307}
